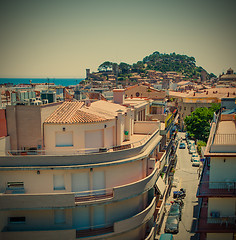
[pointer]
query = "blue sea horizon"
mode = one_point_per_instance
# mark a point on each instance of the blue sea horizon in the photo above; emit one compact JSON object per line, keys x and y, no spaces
{"x":57,"y":81}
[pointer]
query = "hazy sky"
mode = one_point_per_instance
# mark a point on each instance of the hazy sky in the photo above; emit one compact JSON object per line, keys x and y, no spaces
{"x":55,"y":38}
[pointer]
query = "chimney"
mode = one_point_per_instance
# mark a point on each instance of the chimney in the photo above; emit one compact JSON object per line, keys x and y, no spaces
{"x":119,"y":96}
{"x":87,"y":103}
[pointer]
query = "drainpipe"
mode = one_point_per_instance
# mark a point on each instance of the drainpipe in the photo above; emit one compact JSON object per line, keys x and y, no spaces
{"x":116,"y":129}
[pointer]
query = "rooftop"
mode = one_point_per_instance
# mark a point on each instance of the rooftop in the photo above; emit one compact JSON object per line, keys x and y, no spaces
{"x":70,"y":112}
{"x":222,"y":139}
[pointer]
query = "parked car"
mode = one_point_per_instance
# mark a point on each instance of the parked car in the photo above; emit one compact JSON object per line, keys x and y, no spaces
{"x":182,"y":145}
{"x":166,"y":236}
{"x":175,"y":182}
{"x":195,"y":163}
{"x":195,"y":156}
{"x":172,"y":225}
{"x":190,"y":144}
{"x":175,"y":210}
{"x":192,"y":150}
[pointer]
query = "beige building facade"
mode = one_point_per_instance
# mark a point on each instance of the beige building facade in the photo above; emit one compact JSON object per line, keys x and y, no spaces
{"x":68,"y":191}
{"x":217,"y":186}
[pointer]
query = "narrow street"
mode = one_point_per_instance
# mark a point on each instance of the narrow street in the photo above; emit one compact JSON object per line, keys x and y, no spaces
{"x":186,"y":176}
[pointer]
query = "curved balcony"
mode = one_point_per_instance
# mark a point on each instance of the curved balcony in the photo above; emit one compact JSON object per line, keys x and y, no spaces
{"x":55,"y":200}
{"x":119,"y":227}
{"x":76,"y":159}
{"x":58,"y":234}
{"x":106,"y":231}
{"x":35,"y":201}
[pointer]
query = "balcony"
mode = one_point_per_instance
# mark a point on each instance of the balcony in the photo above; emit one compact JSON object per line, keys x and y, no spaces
{"x":221,"y":224}
{"x":107,"y":230}
{"x":58,"y":234}
{"x":93,"y":195}
{"x":207,"y":188}
{"x":119,"y":227}
{"x":70,"y":199}
{"x":34,"y":201}
{"x":217,"y":189}
{"x":137,"y":146}
{"x":94,"y":232}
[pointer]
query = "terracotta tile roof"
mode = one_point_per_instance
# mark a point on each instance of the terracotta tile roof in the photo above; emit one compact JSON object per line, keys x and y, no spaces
{"x":105,"y":109}
{"x":70,"y":112}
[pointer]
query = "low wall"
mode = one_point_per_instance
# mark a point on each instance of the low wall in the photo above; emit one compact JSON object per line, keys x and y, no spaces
{"x":28,"y":201}
{"x":145,"y":127}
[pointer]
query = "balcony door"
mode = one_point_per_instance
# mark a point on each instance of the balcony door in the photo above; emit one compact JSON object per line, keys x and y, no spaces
{"x":99,"y":182}
{"x":81,"y":217}
{"x":80,"y":182}
{"x":94,"y":139}
{"x":99,"y":216}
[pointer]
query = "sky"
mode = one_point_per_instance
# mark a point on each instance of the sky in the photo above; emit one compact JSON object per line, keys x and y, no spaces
{"x":62,"y":38}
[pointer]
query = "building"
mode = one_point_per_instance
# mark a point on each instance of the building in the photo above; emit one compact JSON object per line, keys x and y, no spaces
{"x":189,"y":101}
{"x":25,"y":125}
{"x":229,"y":77}
{"x":216,"y":191}
{"x":97,"y":177}
{"x":144,"y":91}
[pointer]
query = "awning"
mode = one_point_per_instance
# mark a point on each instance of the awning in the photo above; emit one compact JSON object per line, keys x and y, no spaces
{"x":161,"y":186}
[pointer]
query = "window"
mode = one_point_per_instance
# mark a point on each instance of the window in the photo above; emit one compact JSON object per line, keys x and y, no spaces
{"x":64,"y":139}
{"x":59,"y":216}
{"x":184,"y":108}
{"x":58,"y":182}
{"x":191,"y":109}
{"x":154,"y":110}
{"x":15,"y":187}
{"x":15,"y":184}
{"x":16,"y":219}
{"x":137,"y":94}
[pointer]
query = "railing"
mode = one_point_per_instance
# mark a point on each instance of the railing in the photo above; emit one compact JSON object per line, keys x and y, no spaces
{"x":83,"y":151}
{"x":207,"y":188}
{"x":217,"y":224}
{"x":92,"y":195}
{"x":95,"y":230}
{"x":225,"y":139}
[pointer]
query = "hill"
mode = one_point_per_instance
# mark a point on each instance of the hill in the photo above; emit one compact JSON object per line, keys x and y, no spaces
{"x":157,"y":61}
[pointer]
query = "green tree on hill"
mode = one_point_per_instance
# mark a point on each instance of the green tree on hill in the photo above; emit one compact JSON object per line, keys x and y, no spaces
{"x":105,"y":66}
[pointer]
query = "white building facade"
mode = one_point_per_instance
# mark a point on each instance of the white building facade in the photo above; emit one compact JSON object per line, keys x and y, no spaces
{"x":94,"y":179}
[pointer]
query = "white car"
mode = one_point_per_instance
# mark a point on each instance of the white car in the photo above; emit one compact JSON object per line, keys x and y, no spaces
{"x":192,"y":150}
{"x":196,"y":163}
{"x":195,"y":156}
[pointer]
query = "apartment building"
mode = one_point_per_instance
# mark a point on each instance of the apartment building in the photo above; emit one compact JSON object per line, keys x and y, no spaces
{"x":25,"y":125}
{"x":189,"y":101}
{"x":96,"y":177}
{"x":217,"y":187}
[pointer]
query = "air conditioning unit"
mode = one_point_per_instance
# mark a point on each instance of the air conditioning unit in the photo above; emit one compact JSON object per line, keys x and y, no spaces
{"x":215,"y":214}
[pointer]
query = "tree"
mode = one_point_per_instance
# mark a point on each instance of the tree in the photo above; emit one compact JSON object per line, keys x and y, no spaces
{"x":124,"y":67}
{"x":104,"y":66}
{"x":198,"y":123}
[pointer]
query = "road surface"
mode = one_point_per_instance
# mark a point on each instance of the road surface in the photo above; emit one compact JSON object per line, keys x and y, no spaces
{"x":187,"y":177}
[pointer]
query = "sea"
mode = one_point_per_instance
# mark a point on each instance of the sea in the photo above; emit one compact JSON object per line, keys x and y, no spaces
{"x":56,"y":81}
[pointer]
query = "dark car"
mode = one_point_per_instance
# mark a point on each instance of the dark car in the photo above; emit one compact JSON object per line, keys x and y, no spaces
{"x":172,"y":224}
{"x":175,"y":210}
{"x":182,"y":145}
